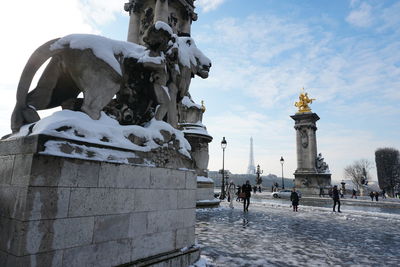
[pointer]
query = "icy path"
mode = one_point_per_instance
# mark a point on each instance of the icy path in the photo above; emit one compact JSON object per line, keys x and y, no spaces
{"x":273,"y":235}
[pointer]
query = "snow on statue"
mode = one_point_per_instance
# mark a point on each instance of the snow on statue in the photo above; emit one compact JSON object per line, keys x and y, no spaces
{"x":148,"y":81}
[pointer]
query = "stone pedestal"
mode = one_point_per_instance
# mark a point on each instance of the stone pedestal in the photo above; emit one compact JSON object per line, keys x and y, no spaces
{"x":60,"y":211}
{"x":190,"y":121}
{"x":309,"y":177}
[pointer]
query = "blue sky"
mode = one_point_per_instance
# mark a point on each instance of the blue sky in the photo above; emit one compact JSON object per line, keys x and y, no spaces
{"x":345,"y":54}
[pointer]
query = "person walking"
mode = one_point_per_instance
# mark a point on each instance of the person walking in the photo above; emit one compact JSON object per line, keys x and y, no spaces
{"x":376,"y":195}
{"x":372,"y":195}
{"x":336,"y":199}
{"x":246,"y":189}
{"x":239,"y":190}
{"x":341,"y":193}
{"x":231,"y":193}
{"x":383,"y":194}
{"x":294,"y":197}
{"x":354,"y":194}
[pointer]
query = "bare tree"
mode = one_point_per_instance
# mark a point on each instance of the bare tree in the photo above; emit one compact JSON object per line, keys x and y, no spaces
{"x":358,"y":172}
{"x":388,"y":168}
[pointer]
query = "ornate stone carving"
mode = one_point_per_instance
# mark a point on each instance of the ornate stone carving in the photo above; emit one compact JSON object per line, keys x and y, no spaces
{"x":322,"y":167}
{"x":304,"y":137}
{"x":133,"y":6}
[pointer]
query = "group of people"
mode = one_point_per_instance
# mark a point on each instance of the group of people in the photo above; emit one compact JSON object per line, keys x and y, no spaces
{"x":244,"y":193}
{"x":375,"y":195}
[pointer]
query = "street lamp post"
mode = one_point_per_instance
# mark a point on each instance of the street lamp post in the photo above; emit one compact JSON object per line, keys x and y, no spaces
{"x":223,"y":146}
{"x":259,"y":172}
{"x":282,"y":161}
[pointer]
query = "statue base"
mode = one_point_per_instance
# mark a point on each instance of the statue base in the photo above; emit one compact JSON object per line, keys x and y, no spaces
{"x":57,"y":210}
{"x":310,"y":183}
{"x":205,"y":193}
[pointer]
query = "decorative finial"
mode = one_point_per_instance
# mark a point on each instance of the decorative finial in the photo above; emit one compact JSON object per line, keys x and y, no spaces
{"x":203,"y":108}
{"x":304,"y":100}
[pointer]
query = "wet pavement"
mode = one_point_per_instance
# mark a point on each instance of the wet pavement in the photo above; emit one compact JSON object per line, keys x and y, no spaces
{"x":270,"y":234}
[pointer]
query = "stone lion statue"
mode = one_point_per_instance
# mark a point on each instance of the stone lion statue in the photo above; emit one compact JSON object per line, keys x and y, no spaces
{"x":93,"y":65}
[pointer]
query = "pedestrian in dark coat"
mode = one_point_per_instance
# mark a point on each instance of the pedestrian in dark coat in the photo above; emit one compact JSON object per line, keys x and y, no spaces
{"x":376,"y":195}
{"x":246,"y":188}
{"x":294,"y":197}
{"x":371,"y":195}
{"x":354,"y":194}
{"x":336,"y":199}
{"x":239,"y":190}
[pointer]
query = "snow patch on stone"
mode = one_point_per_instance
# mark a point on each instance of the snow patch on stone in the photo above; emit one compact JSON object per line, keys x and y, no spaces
{"x":107,"y":131}
{"x":204,"y":179}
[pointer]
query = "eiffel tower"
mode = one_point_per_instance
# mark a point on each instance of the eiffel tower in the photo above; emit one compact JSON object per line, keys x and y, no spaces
{"x":251,"y":169}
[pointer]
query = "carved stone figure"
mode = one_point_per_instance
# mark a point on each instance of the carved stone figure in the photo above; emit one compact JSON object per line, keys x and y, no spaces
{"x":322,"y":167}
{"x":69,"y":72}
{"x":73,"y":70}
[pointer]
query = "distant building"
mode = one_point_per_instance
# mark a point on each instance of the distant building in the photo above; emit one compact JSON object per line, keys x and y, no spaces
{"x":239,"y":179}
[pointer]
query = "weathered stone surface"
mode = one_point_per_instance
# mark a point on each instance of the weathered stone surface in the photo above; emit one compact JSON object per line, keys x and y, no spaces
{"x":12,"y":201}
{"x":6,"y":170}
{"x":185,"y":237}
{"x":3,"y":258}
{"x":167,"y":178}
{"x":46,"y":203}
{"x":46,"y":170}
{"x":163,"y":221}
{"x":111,"y":227}
{"x":22,"y":169}
{"x":124,"y":176}
{"x":155,"y":199}
{"x":40,"y":259}
{"x":186,"y":199}
{"x":72,"y":212}
{"x":47,"y":235}
{"x":138,"y":224}
{"x":79,"y":173}
{"x":100,"y":201}
{"x":188,"y":216}
{"x":102,"y":254}
{"x":204,"y":193}
{"x":152,"y":244}
{"x":25,"y":145}
{"x":191,"y":180}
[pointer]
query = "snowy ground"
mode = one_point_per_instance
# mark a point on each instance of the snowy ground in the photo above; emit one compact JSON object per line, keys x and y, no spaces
{"x":270,"y":234}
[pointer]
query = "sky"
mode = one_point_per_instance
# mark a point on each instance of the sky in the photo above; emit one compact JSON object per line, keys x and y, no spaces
{"x":346,"y":54}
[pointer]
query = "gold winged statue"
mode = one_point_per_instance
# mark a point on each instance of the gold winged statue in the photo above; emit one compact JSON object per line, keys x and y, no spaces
{"x":304,"y":100}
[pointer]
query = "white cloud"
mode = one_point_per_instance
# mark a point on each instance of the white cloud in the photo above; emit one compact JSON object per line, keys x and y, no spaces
{"x":209,"y":5}
{"x":28,"y":24}
{"x":101,"y":11}
{"x":265,"y":62}
{"x":361,"y":16}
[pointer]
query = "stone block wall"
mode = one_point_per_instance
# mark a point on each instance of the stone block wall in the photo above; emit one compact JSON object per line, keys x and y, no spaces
{"x":57,"y":211}
{"x":205,"y":195}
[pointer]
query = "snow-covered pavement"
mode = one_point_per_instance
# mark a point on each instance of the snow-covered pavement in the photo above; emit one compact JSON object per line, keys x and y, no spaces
{"x":271,"y":234}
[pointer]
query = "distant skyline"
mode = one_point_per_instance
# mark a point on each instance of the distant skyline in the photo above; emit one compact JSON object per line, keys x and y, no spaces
{"x":344,"y":53}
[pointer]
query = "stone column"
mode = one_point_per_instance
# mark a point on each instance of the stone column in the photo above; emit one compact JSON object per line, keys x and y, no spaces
{"x":298,"y":149}
{"x":133,"y":7}
{"x":313,"y":147}
{"x":305,"y":125}
{"x":161,"y":11}
{"x":307,"y":178}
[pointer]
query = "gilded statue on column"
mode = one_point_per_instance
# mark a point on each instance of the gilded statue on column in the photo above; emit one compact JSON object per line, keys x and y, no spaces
{"x":304,"y":100}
